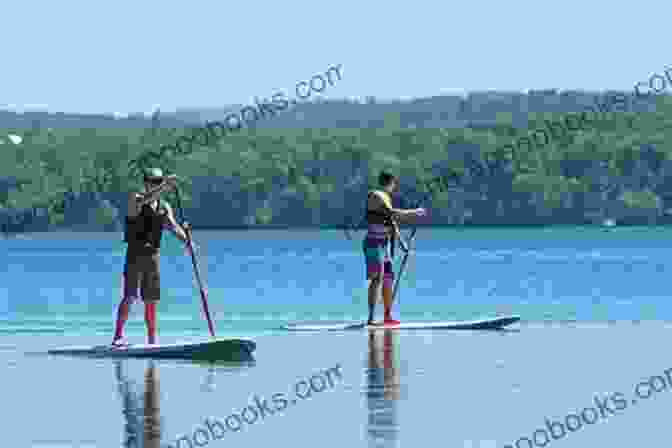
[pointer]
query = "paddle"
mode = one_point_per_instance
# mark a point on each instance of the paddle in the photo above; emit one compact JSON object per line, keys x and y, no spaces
{"x":406,"y":248}
{"x":194,"y":262}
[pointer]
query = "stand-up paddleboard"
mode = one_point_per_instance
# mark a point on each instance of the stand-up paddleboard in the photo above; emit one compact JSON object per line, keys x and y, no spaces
{"x":495,"y":323}
{"x":211,"y":350}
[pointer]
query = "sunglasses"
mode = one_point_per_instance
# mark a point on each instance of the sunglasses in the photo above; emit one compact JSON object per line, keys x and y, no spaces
{"x":155,"y":181}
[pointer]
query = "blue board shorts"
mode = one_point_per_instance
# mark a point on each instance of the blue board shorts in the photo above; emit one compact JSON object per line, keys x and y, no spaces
{"x":377,"y":258}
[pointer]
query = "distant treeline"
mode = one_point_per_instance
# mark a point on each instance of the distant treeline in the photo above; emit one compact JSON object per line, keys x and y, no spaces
{"x":446,"y":149}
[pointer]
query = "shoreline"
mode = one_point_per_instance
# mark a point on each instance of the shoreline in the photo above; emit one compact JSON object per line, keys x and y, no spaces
{"x":261,"y":227}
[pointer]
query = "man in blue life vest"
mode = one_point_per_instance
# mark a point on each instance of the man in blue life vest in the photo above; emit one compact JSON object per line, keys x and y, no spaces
{"x":148,"y":215}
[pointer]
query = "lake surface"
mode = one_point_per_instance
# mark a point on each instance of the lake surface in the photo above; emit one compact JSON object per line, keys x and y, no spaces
{"x":594,"y":303}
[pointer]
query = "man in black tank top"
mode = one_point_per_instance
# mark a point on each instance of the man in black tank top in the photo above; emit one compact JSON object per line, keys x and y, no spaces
{"x":148,"y":215}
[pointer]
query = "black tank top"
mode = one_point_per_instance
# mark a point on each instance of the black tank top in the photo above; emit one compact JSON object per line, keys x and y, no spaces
{"x":143,"y":233}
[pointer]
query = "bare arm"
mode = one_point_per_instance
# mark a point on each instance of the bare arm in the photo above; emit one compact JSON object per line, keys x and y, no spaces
{"x":153,"y":194}
{"x":177,"y":229}
{"x":137,"y":200}
{"x":395,"y":212}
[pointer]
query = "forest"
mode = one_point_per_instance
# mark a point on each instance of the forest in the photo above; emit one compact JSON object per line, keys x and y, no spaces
{"x":312,"y":166}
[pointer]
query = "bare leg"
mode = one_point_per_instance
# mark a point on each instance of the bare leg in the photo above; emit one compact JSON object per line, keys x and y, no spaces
{"x":387,"y":300}
{"x":374,"y":293}
{"x":122,"y":316}
{"x":150,"y":321}
{"x":123,"y":310}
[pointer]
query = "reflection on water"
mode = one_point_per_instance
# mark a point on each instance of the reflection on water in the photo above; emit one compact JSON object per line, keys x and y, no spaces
{"x":382,"y":388}
{"x":141,"y":407}
{"x":208,"y":384}
{"x":142,"y":428}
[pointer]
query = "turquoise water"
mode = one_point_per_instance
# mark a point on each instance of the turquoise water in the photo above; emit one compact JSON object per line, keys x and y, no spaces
{"x":258,"y":280}
{"x":594,"y":307}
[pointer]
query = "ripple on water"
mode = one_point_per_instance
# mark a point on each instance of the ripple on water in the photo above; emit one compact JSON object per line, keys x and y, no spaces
{"x":12,"y":363}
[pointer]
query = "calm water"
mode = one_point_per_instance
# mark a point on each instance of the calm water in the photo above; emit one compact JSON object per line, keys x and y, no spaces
{"x":594,"y":303}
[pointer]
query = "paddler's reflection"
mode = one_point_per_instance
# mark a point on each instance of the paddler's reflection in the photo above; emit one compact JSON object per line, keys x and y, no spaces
{"x":383,"y":386}
{"x":142,"y":420}
{"x":141,"y":409}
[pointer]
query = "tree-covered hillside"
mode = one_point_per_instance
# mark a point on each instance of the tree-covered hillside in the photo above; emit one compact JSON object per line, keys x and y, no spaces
{"x":618,"y":167}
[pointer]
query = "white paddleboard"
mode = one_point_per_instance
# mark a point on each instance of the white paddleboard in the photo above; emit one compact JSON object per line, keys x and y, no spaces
{"x":218,"y":349}
{"x":495,"y":323}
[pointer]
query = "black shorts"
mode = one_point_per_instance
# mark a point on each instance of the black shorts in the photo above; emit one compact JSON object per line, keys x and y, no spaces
{"x":142,"y":277}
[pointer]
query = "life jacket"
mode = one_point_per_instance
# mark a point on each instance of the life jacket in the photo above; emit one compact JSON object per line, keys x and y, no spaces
{"x":143,"y":233}
{"x":382,"y":217}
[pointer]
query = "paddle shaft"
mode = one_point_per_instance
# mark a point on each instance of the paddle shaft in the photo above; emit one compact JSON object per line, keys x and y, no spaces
{"x":197,"y":274}
{"x":406,"y":247}
{"x":403,"y":262}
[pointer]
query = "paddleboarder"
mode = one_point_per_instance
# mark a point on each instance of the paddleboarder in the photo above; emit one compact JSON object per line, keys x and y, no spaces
{"x":378,"y":244}
{"x":148,"y":215}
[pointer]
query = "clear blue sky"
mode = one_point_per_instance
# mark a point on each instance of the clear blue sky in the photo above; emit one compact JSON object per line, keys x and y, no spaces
{"x":133,"y":56}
